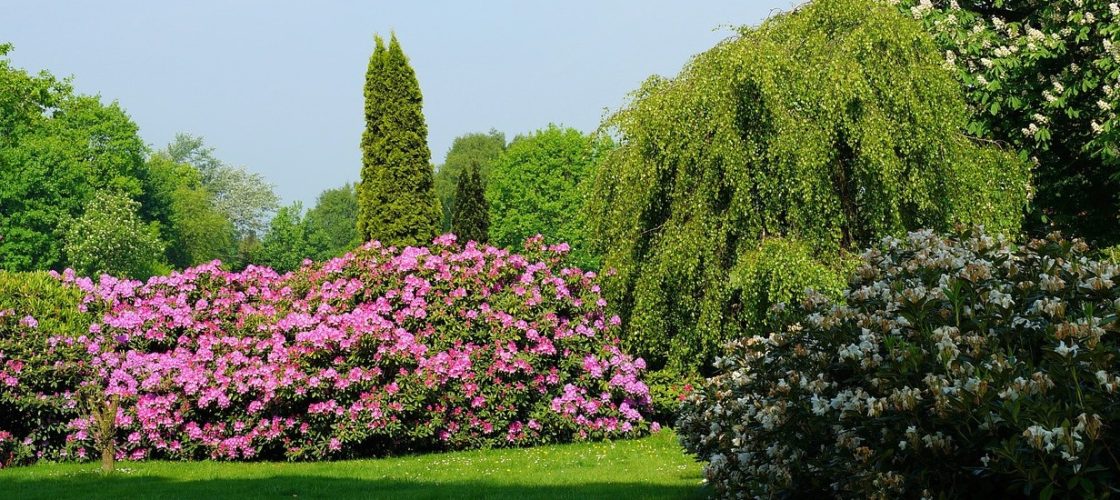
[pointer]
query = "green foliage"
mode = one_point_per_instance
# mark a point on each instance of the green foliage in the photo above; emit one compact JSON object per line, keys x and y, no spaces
{"x":331,"y":224}
{"x":43,"y":297}
{"x":1043,"y":76}
{"x":54,"y":309}
{"x":668,"y":390}
{"x":471,"y":221}
{"x":960,"y":366}
{"x":780,"y":271}
{"x":536,"y":187}
{"x":832,"y":125}
{"x":397,"y":204}
{"x":1112,"y":254}
{"x":286,"y":244}
{"x":109,"y":238}
{"x":194,"y":229}
{"x":325,"y":232}
{"x":248,"y":252}
{"x":479,"y":149}
{"x":245,"y":198}
{"x":56,"y":149}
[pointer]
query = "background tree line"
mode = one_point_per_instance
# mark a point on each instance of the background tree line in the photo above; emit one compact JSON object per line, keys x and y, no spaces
{"x":759,"y":170}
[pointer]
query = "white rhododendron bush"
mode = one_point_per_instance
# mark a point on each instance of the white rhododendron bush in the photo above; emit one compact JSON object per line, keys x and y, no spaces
{"x":955,"y":366}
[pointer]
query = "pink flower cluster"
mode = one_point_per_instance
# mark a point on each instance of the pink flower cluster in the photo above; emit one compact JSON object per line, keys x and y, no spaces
{"x":376,"y":352}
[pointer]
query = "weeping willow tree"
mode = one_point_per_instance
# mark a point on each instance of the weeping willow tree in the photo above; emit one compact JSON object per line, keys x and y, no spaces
{"x":824,"y":128}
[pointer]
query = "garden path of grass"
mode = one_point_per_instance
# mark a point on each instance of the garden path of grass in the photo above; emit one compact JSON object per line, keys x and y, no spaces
{"x":651,"y":468}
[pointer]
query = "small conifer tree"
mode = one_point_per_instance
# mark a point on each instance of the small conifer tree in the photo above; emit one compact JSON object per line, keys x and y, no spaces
{"x":471,"y":219}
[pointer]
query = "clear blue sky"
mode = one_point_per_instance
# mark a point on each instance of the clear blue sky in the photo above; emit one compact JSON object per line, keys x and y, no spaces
{"x":277,"y":85}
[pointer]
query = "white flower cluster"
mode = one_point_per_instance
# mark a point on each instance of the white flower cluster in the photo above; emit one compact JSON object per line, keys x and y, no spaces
{"x":921,"y":9}
{"x":1064,"y":440}
{"x":1062,"y":39}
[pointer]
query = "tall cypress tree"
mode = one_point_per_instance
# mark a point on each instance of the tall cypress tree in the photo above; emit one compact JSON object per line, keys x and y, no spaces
{"x":369,"y":186}
{"x":471,"y":219}
{"x":397,"y":203}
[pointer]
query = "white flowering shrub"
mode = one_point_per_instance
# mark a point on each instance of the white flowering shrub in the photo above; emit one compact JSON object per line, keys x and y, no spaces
{"x":955,"y":366}
{"x":111,"y":238}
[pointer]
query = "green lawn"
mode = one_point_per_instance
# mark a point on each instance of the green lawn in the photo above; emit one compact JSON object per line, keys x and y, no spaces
{"x":650,"y":468}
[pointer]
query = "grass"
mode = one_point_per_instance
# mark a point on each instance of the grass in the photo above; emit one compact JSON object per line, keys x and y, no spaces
{"x":651,"y":468}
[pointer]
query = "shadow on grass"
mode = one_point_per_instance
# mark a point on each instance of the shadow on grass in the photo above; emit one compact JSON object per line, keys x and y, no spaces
{"x":296,"y":486}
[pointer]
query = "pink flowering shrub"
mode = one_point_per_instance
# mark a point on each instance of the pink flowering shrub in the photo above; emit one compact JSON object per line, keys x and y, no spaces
{"x":960,"y":366}
{"x":381,"y":351}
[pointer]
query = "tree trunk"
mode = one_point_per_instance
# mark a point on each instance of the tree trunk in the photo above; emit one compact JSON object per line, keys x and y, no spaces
{"x":108,"y":456}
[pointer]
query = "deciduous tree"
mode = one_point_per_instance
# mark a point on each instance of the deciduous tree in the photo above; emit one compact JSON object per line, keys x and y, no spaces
{"x":331,"y":222}
{"x":57,"y":149}
{"x":831,"y":126}
{"x":536,"y":187}
{"x":110,"y":238}
{"x":1044,"y":77}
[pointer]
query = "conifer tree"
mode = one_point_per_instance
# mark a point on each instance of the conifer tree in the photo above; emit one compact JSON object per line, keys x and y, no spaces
{"x":397,"y":204}
{"x":368,"y":187}
{"x":471,"y":219}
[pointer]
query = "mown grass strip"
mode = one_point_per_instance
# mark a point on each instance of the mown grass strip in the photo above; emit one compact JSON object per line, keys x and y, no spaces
{"x":649,"y":468}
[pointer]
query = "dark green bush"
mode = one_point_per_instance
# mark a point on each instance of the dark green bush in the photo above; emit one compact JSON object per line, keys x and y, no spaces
{"x":667,"y":391}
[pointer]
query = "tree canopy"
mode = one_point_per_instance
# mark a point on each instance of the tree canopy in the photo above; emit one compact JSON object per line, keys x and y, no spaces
{"x":397,"y":204}
{"x":110,"y":238}
{"x":57,"y":148}
{"x":536,"y":187}
{"x":285,"y":245}
{"x":331,"y":223}
{"x":1043,"y":76}
{"x":195,"y":229}
{"x":474,"y":148}
{"x":246,"y":198}
{"x":831,"y":125}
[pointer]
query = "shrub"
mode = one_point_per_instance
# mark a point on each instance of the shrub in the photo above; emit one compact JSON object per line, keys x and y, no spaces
{"x":381,"y":351}
{"x":955,"y":366}
{"x":668,"y":390}
{"x":34,"y":407}
{"x":1111,"y":254}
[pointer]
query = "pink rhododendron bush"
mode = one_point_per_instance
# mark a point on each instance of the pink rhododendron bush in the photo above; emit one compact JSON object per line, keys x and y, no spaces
{"x":377,"y":352}
{"x":955,"y":367}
